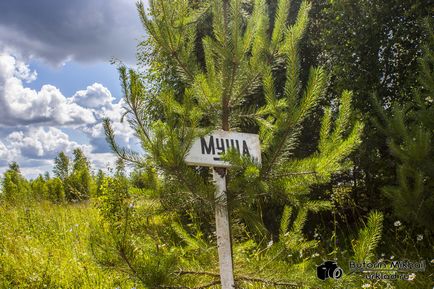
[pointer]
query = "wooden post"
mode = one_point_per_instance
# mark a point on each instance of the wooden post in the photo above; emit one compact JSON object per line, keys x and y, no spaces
{"x":223,"y":230}
{"x":207,"y":151}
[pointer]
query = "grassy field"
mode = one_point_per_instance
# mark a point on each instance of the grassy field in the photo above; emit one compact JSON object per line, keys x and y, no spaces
{"x":44,"y":245}
{"x":47,"y":246}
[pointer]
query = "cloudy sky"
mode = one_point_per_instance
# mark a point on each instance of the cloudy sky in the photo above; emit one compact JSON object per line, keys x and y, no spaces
{"x":56,"y":80}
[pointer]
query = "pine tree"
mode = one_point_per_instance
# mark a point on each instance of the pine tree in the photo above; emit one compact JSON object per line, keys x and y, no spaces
{"x":410,"y":130}
{"x":240,"y":57}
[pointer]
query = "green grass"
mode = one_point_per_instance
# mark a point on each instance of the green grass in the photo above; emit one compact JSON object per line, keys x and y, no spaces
{"x":43,"y":245}
{"x":47,"y":246}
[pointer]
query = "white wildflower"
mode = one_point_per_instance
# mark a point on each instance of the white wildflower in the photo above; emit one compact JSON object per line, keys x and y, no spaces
{"x":411,"y":277}
{"x":366,"y":285}
{"x":270,"y":244}
{"x":419,"y":237}
{"x":397,"y":223}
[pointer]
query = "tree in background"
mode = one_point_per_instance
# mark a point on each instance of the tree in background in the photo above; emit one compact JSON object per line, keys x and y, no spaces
{"x":409,"y":128}
{"x":61,"y":166}
{"x":62,"y":171}
{"x":241,"y":54}
{"x":98,"y":182}
{"x":15,"y":187}
{"x":79,"y":182}
{"x":120,"y":168}
{"x":56,"y":190}
{"x":369,"y":47}
{"x":76,"y":177}
{"x":40,"y":188}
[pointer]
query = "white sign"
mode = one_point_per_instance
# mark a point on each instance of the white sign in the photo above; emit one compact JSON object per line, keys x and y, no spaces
{"x":206,"y":151}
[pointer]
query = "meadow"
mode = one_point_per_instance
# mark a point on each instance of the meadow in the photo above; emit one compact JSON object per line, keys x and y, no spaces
{"x":345,"y":125}
{"x":45,"y":245}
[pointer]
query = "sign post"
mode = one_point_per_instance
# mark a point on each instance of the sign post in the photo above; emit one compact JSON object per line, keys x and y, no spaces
{"x":224,"y":245}
{"x":206,"y":151}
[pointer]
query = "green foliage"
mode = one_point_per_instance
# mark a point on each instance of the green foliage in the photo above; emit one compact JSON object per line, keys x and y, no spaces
{"x":368,"y":238}
{"x":66,"y":186}
{"x":61,"y":166}
{"x":98,"y":182}
{"x":46,"y":246}
{"x":76,"y":178}
{"x":40,"y":188}
{"x":56,"y":191}
{"x":409,"y":129}
{"x":138,"y":236}
{"x":15,"y":188}
{"x":227,"y":78}
{"x":241,"y":66}
{"x":369,"y":47}
{"x":79,"y":182}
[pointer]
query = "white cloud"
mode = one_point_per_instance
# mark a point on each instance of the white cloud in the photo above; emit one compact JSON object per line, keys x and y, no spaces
{"x":124,"y":133}
{"x":95,"y":96}
{"x":7,"y":154}
{"x":34,"y":123}
{"x":43,"y":143}
{"x":22,"y":105}
{"x":35,"y":149}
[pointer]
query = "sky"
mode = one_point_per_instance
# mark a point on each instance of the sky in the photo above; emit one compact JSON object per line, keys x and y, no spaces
{"x":56,"y":80}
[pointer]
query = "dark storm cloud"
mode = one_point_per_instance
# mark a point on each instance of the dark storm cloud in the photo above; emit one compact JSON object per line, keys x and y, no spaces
{"x":84,"y":30}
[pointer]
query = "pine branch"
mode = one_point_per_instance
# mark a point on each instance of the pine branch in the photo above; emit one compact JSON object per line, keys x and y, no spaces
{"x":122,"y":153}
{"x":279,"y":176}
{"x":369,"y":237}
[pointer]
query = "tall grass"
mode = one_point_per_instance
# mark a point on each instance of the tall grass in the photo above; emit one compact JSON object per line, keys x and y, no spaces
{"x":47,"y":246}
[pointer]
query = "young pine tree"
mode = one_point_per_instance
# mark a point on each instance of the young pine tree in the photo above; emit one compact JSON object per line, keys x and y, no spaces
{"x":409,"y":129}
{"x":229,"y":80}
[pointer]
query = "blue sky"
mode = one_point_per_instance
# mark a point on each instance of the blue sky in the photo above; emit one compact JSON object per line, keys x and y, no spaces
{"x":56,"y":80}
{"x":74,"y":76}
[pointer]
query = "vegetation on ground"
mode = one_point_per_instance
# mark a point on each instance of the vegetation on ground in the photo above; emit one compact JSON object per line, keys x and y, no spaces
{"x":340,"y":94}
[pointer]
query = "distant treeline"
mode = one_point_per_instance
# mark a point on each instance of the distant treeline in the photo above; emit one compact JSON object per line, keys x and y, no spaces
{"x":71,"y":181}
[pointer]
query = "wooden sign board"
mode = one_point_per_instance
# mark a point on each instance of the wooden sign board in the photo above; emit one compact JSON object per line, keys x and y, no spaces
{"x":206,"y":151}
